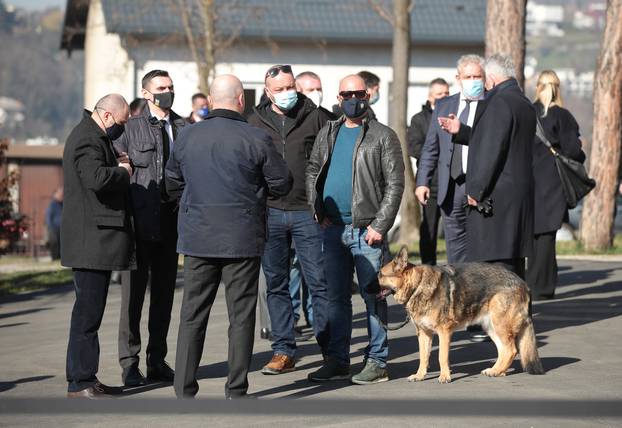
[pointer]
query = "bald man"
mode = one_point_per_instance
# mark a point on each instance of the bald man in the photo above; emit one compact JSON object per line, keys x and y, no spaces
{"x":355,"y":180}
{"x":223,"y":169}
{"x":96,"y":233}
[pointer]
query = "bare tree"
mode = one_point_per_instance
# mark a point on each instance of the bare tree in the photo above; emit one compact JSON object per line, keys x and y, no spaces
{"x":599,"y":206}
{"x":204,"y":41}
{"x":505,"y":32}
{"x":410,"y":214}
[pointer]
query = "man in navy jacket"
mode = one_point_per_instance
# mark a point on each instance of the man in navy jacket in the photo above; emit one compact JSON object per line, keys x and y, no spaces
{"x":223,"y":169}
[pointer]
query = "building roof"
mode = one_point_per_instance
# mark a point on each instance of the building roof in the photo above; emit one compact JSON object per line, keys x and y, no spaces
{"x":460,"y":22}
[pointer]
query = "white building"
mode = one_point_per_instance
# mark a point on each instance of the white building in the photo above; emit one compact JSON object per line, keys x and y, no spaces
{"x":123,"y":39}
{"x":544,"y":20}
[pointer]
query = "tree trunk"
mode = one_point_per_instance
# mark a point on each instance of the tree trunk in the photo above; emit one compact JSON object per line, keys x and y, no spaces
{"x":505,"y":32}
{"x":599,"y":207}
{"x":409,"y":211}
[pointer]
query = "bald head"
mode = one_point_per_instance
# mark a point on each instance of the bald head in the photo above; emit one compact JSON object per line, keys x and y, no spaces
{"x":111,"y":109}
{"x":114,"y":103}
{"x":226,"y":92}
{"x":353,"y":82}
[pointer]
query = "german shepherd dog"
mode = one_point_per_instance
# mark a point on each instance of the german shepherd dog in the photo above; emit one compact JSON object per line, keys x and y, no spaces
{"x":443,"y":299}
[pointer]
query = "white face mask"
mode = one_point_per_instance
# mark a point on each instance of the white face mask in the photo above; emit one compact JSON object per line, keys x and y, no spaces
{"x":316,"y":97}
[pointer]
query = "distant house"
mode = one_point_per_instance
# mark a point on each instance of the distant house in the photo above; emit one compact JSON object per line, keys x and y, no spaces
{"x":124,"y":39}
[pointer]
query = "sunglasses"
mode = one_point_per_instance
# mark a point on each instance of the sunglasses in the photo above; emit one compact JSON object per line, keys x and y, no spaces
{"x":274,"y":71}
{"x":349,"y":94}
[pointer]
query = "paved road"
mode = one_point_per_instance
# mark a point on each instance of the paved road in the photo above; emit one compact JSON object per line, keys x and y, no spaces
{"x":579,"y":336}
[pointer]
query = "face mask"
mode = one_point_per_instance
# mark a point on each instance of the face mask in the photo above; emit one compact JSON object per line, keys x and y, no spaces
{"x":203,"y":112}
{"x":374,"y":98}
{"x":354,"y":108}
{"x":286,"y":100}
{"x":316,"y":97}
{"x":115,"y":130}
{"x":164,"y":100}
{"x":473,"y":88}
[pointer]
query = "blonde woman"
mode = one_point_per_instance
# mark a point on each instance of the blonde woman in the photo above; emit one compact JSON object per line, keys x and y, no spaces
{"x":550,"y":206}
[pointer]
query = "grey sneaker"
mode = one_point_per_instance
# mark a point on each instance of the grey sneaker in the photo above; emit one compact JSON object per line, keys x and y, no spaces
{"x":331,"y":370}
{"x":371,"y":373}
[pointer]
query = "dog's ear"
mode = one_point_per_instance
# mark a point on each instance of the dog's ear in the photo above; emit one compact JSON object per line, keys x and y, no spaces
{"x":401,"y":260}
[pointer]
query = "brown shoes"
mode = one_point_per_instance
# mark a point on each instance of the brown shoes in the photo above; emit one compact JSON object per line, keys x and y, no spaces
{"x":279,"y":364}
{"x":97,"y":391}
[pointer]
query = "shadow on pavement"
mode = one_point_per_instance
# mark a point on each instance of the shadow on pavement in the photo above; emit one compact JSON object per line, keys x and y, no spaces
{"x":5,"y":386}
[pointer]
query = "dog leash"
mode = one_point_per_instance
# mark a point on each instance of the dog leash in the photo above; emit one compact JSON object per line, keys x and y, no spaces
{"x":397,"y":327}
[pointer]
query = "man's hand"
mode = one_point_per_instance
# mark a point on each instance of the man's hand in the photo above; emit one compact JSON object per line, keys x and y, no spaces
{"x":620,"y":189}
{"x":127,"y":167}
{"x":471,"y":201}
{"x":423,"y":194}
{"x":450,"y":124}
{"x":372,"y":237}
{"x":123,"y":158}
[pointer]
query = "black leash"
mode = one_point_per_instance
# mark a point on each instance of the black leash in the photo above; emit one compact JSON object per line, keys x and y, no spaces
{"x":386,"y":327}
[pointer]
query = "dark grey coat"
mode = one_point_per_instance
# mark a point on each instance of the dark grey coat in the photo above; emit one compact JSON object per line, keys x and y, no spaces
{"x":500,"y":161}
{"x":96,"y":231}
{"x":378,"y":174}
{"x":223,"y":169}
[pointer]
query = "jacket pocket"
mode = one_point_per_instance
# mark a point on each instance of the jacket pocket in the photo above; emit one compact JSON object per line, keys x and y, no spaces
{"x":110,"y":220}
{"x":142,"y":155}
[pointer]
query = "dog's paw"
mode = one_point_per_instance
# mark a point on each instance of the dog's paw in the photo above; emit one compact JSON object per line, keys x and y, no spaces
{"x":417,"y":377}
{"x":492,"y":373}
{"x":444,"y":378}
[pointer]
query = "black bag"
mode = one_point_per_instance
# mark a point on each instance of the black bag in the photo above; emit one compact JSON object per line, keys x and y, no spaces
{"x":575,"y":181}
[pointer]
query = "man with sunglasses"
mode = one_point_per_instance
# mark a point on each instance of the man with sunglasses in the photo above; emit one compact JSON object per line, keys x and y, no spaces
{"x":293,"y":121}
{"x":355,"y":181}
{"x":148,"y":140}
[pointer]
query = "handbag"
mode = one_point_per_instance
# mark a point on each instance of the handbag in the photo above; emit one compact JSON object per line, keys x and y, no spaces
{"x":572,"y":174}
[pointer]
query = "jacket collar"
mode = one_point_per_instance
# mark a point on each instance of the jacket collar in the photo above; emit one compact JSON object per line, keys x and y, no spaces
{"x":172,"y":117}
{"x":227,"y":114}
{"x":303,"y":107}
{"x":88,"y":121}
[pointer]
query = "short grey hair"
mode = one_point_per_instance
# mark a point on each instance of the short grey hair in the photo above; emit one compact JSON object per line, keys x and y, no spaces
{"x":501,"y":65}
{"x":464,"y":60}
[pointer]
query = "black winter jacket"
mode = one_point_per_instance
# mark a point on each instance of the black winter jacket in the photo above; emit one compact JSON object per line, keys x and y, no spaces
{"x":295,"y":146}
{"x":416,"y":135}
{"x":142,"y":141}
{"x":96,"y":231}
{"x":377,"y":174}
{"x":223,"y":169}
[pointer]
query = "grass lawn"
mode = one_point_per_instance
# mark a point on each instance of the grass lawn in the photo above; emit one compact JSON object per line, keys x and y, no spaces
{"x":19,"y":282}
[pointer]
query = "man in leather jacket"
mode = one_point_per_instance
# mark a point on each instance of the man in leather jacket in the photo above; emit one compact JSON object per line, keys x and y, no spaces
{"x":148,"y":140}
{"x":355,"y":181}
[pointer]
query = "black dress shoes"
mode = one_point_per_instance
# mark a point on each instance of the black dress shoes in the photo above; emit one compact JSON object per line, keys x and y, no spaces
{"x":97,"y":391}
{"x":265,"y":334}
{"x":160,"y":373}
{"x":133,"y":377}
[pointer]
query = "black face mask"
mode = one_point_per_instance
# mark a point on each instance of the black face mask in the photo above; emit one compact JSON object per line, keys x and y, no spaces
{"x":354,"y":108}
{"x":164,"y":100}
{"x":115,"y":131}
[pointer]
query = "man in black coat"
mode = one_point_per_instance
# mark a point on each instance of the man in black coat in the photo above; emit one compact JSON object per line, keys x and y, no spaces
{"x":293,"y":121}
{"x":499,"y":184}
{"x":96,"y":233}
{"x":148,"y":140}
{"x":223,"y":169}
{"x":416,"y":136}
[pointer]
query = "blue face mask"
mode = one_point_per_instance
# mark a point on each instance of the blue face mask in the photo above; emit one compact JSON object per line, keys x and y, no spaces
{"x":203,"y":112}
{"x":473,"y":88}
{"x":286,"y":100}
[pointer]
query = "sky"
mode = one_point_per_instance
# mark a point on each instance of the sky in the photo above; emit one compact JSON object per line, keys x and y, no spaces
{"x":36,"y":4}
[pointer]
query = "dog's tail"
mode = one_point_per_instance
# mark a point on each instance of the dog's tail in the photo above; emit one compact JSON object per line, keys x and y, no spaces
{"x":528,"y":349}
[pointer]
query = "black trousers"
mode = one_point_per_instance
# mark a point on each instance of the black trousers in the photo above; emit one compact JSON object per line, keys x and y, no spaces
{"x":542,"y":267}
{"x":156,"y":265}
{"x":428,"y":231}
{"x":91,"y":287}
{"x":201,"y":279}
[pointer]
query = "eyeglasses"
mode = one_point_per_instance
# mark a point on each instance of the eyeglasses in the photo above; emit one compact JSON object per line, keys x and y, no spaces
{"x":274,"y":71}
{"x":349,"y":94}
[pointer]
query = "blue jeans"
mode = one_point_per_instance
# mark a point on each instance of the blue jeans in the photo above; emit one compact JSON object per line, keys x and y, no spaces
{"x":345,"y":249}
{"x":298,"y":227}
{"x":298,"y":291}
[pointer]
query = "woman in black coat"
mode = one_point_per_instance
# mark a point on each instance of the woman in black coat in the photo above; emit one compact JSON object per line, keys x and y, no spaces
{"x":550,"y":207}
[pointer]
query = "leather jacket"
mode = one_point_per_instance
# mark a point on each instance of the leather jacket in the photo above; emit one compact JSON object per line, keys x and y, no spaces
{"x":377,"y":174}
{"x":142,"y":141}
